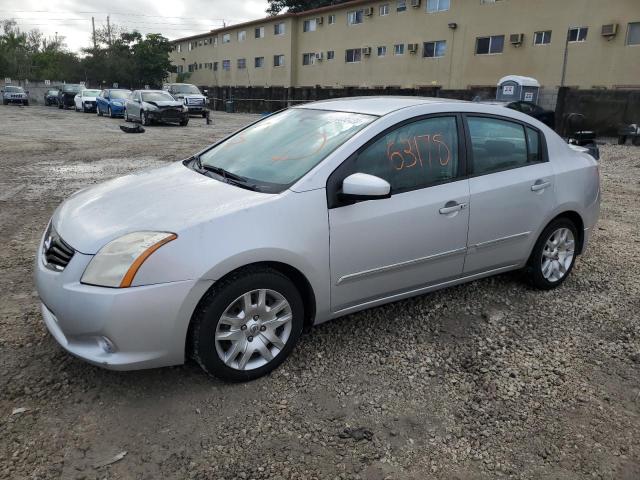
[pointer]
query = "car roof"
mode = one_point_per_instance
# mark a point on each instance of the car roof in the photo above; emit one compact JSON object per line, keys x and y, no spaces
{"x":375,"y":105}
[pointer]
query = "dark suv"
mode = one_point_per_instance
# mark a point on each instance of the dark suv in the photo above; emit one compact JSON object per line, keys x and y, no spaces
{"x":67,"y":95}
{"x":51,"y":96}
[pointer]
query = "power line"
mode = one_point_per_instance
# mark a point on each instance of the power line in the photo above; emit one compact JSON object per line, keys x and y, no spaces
{"x":127,"y":14}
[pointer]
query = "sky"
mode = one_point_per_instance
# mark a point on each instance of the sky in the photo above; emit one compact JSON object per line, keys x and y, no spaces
{"x":172,"y":18}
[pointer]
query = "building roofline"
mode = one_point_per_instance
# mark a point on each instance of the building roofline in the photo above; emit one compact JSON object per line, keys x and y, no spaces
{"x":282,"y":16}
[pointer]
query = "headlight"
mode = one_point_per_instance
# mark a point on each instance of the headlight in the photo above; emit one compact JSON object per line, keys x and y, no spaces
{"x":117,"y":263}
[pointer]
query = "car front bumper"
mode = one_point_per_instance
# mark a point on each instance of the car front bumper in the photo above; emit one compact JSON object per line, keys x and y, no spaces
{"x":117,"y":109}
{"x":168,"y":115}
{"x":118,"y":329}
{"x":16,"y":99}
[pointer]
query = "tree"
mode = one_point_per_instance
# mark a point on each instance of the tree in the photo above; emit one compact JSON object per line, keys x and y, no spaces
{"x":295,"y":6}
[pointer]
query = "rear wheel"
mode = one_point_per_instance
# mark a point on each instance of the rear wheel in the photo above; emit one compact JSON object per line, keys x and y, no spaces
{"x":247,"y":325}
{"x":636,"y":141}
{"x":622,"y":139}
{"x":554,"y":255}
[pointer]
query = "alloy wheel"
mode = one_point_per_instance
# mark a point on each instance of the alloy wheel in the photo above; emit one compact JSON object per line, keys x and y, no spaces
{"x":557,"y":255}
{"x":253,"y":329}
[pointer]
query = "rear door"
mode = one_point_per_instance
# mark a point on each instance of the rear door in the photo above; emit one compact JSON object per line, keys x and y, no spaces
{"x":511,"y":191}
{"x":415,"y":238}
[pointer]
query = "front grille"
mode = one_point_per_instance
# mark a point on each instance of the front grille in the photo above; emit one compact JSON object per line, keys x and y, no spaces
{"x":195,"y":101}
{"x":57,"y":253}
{"x":171,"y":115}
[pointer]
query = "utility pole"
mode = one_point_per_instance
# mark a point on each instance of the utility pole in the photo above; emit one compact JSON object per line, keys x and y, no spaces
{"x":93,"y":28}
{"x":108,"y":30}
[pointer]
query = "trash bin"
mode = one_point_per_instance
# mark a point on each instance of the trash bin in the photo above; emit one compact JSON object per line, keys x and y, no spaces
{"x":514,"y":87}
{"x":230,"y":106}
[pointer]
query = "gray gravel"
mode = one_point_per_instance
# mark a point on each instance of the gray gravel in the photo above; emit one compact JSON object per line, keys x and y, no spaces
{"x":485,"y":380}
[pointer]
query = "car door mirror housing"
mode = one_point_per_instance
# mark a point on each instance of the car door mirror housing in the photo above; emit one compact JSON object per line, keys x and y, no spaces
{"x":362,"y":186}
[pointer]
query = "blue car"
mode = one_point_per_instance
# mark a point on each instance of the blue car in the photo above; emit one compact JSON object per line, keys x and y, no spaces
{"x":111,"y":102}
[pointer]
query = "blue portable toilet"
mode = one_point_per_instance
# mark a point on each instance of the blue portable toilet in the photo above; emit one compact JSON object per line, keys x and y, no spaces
{"x":513,"y":88}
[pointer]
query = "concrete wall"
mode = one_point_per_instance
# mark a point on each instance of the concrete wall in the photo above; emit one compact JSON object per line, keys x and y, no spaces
{"x":36,"y":89}
{"x":596,"y":62}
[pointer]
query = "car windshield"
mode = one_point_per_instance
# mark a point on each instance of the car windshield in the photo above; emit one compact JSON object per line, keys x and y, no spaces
{"x":14,"y":89}
{"x":71,"y":88}
{"x":277,"y":151}
{"x":90,"y":93}
{"x":185,"y":89}
{"x":157,"y":97}
{"x":52,"y":92}
{"x":119,"y":93}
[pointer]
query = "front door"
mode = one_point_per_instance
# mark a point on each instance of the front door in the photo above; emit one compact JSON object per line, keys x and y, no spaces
{"x":512,"y":192}
{"x":418,"y":236}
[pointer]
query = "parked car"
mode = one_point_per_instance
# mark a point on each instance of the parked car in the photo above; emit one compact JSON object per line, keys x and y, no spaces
{"x":67,"y":95}
{"x":112,"y":102}
{"x":548,"y":117}
{"x":149,"y":106}
{"x":14,"y":94}
{"x":309,"y":214}
{"x":51,"y":96}
{"x":85,"y":100}
{"x":190,"y":95}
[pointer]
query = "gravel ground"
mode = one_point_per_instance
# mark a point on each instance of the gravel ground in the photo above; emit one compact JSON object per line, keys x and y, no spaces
{"x":490,"y":379}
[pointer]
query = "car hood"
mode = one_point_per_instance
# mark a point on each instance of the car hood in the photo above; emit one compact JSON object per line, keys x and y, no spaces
{"x":165,"y":103}
{"x":190,"y":95}
{"x":88,"y":99}
{"x":172,"y":199}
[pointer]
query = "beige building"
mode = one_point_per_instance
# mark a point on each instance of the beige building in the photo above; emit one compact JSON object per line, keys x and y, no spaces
{"x":454,"y":44}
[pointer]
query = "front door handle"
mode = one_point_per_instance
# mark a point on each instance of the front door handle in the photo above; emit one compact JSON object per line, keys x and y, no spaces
{"x":540,"y":185}
{"x":452,"y":207}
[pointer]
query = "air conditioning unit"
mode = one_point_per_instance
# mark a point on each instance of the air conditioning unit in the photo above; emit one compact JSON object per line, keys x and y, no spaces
{"x":368,"y":11}
{"x":320,"y":20}
{"x":610,"y":30}
{"x":319,"y":56}
{"x":415,"y":3}
{"x":412,"y":47}
{"x":366,"y":50}
{"x":516,"y":38}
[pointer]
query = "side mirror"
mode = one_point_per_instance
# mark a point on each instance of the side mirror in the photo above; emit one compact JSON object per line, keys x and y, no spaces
{"x":362,"y":186}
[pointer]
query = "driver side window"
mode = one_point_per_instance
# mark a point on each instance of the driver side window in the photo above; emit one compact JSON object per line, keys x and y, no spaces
{"x":413,"y":156}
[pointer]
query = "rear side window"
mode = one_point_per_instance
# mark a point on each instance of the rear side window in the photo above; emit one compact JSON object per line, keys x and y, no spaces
{"x":501,"y":145}
{"x":413,"y":156}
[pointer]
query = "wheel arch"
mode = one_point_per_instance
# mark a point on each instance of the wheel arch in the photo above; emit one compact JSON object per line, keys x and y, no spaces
{"x":576,"y":219}
{"x":295,"y":275}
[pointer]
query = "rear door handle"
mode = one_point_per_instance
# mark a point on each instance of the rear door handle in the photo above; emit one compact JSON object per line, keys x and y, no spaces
{"x":540,"y":185}
{"x":452,"y":207}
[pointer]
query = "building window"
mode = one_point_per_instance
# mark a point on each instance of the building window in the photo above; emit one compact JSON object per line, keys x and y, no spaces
{"x":259,"y":32}
{"x":331,"y":55}
{"x":353,"y":55}
{"x":226,"y":65}
{"x":215,"y":41}
{"x":382,"y":51}
{"x":215,"y":66}
{"x":179,"y":47}
{"x":401,"y":5}
{"x":489,"y":45}
{"x":226,"y":38}
{"x":482,"y":2}
{"x":308,"y":58}
{"x":242,"y":35}
{"x":278,"y":29}
{"x":242,"y":63}
{"x":542,"y":38}
{"x":309,"y":25}
{"x":179,"y":69}
{"x":398,"y":49}
{"x":633,"y":34}
{"x":384,"y":9}
{"x":258,"y":62}
{"x":278,"y":60}
{"x":578,"y":34}
{"x":191,"y":69}
{"x":435,"y":49}
{"x":438,"y":5}
{"x":190,"y":46}
{"x":355,"y":17}
{"x":332,"y":19}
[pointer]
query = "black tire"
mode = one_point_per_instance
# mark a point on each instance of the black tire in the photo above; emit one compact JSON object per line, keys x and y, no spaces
{"x":60,"y":106}
{"x":204,"y":114}
{"x":109,"y":112}
{"x":5,"y":102}
{"x":533,"y":270}
{"x":636,"y":141}
{"x":215,"y":302}
{"x":184,"y":122}
{"x":126,"y":116}
{"x":84,"y":109}
{"x":144,"y":119}
{"x":622,"y":140}
{"x":26,"y":103}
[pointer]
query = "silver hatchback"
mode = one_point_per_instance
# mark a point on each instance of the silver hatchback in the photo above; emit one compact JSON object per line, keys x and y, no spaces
{"x":304,"y":216}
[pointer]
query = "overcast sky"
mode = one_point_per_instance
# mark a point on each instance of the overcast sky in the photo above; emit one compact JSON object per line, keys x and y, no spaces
{"x":172,"y":18}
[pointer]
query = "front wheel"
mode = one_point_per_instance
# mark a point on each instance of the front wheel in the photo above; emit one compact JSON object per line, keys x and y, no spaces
{"x":184,"y":122}
{"x":26,"y":103}
{"x":246,"y":326}
{"x":553,"y":256}
{"x":144,"y":119}
{"x":126,"y":116}
{"x":109,"y":112}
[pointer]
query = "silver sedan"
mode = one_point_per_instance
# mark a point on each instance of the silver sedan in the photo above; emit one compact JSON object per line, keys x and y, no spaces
{"x":305,"y":216}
